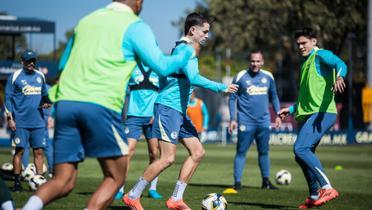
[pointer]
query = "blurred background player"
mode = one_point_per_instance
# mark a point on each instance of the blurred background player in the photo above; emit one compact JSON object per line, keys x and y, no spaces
{"x":198,"y":113}
{"x":91,"y":94}
{"x":6,"y":201}
{"x":144,"y":86}
{"x":25,"y":97}
{"x":171,"y":123}
{"x":256,"y":89}
{"x":322,"y":75}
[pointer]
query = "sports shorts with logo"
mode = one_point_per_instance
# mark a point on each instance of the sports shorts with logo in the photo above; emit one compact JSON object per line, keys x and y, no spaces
{"x":135,"y":126}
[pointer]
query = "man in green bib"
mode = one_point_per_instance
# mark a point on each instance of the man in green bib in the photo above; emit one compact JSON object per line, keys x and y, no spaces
{"x":322,"y":75}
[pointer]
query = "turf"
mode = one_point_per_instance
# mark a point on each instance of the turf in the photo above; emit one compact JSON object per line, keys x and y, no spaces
{"x":354,"y":182}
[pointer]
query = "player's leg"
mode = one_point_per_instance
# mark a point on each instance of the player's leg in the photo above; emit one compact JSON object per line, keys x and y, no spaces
{"x":309,"y":136}
{"x":20,"y":140}
{"x":6,"y":201}
{"x":245,"y":138}
{"x":262,"y":137}
{"x":113,"y":171}
{"x":26,"y":155}
{"x":49,"y":151}
{"x":38,"y":143}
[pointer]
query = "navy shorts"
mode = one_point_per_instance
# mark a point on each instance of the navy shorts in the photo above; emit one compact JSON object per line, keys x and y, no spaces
{"x":23,"y":137}
{"x":170,"y":125}
{"x":87,"y":129}
{"x":135,"y":126}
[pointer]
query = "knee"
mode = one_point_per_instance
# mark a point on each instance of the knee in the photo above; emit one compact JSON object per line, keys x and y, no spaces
{"x":38,"y":152}
{"x":299,"y":151}
{"x":198,"y":155}
{"x":167,"y":161}
{"x":263,"y":153}
{"x":153,"y":155}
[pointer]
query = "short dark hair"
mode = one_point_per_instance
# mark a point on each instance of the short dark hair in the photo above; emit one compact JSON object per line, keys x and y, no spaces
{"x":306,"y":32}
{"x":194,"y":19}
{"x":256,"y":51}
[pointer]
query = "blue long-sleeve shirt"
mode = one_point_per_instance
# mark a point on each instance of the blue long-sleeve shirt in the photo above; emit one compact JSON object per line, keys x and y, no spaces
{"x":325,"y":63}
{"x":175,"y":90}
{"x":252,"y":98}
{"x":24,"y":94}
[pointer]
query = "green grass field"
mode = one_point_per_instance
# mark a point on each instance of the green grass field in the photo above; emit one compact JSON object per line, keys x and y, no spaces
{"x":354,"y":182}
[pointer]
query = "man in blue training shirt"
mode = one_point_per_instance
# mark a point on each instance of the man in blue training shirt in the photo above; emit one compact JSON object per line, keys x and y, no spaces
{"x":143,"y":86}
{"x":25,"y":96}
{"x":322,"y":75}
{"x":171,"y":122}
{"x":256,"y":87}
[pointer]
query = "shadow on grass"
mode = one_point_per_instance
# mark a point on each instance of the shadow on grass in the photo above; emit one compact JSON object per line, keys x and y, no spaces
{"x":119,"y":208}
{"x":220,"y":186}
{"x":85,"y":193}
{"x":262,"y":205}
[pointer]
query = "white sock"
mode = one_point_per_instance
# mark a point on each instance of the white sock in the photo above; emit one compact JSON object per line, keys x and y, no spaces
{"x":314,"y":197}
{"x":8,"y":205}
{"x":33,"y":203}
{"x":137,"y":190}
{"x":153,"y":184}
{"x":179,"y":190}
{"x":327,"y":187}
{"x":122,"y":189}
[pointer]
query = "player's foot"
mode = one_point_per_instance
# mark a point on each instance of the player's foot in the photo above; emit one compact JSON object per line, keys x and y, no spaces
{"x":309,"y":203}
{"x":154,"y":194}
{"x":132,"y":204}
{"x":119,"y":195}
{"x":325,"y":196}
{"x":176,"y":205}
{"x":17,"y":188}
{"x":266,"y":184}
{"x":237,"y":186}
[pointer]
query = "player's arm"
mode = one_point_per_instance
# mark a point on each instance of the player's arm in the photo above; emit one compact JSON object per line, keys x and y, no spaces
{"x":66,"y":53}
{"x":330,"y":59}
{"x":139,"y":40}
{"x":9,"y":92}
{"x":275,"y":101}
{"x":232,"y":108}
{"x":288,"y":110}
{"x":205,"y":115}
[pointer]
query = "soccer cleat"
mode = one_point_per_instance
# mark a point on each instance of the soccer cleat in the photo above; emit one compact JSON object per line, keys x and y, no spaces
{"x":155,"y":195}
{"x":132,"y":204}
{"x":237,"y":186}
{"x":17,"y":188}
{"x":309,"y":203}
{"x":119,"y":195}
{"x":325,"y":195}
{"x":266,"y":184}
{"x":176,"y":205}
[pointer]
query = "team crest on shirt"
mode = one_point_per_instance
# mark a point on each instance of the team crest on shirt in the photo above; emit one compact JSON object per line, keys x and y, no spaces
{"x":126,"y":130}
{"x":249,"y":82}
{"x":242,"y":128}
{"x":24,"y":82}
{"x":17,"y":140}
{"x":38,"y":80}
{"x":174,"y":135}
{"x":264,"y":80}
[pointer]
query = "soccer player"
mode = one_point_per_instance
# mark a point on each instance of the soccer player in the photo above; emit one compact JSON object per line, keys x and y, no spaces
{"x":144,"y":86}
{"x":322,"y":75}
{"x":25,"y":96}
{"x":171,"y":123}
{"x":6,"y":201}
{"x":256,"y":89}
{"x":97,"y":65}
{"x":198,"y":113}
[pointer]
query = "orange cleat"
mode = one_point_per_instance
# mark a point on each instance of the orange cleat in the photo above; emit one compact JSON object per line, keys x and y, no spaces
{"x":309,"y":203}
{"x":325,"y":196}
{"x":132,"y":204}
{"x":176,"y":205}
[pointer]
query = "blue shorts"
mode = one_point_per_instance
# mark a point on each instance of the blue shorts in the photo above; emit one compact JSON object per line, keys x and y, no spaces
{"x":23,"y":137}
{"x":87,"y":129}
{"x":170,"y":124}
{"x":135,"y":126}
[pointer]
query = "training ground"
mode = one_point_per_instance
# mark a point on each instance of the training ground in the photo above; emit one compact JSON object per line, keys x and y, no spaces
{"x":354,"y":181}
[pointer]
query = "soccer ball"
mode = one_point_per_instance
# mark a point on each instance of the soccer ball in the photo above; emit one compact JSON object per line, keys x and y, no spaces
{"x":36,"y":181}
{"x":283,"y":177}
{"x":7,"y":167}
{"x":214,"y":201}
{"x":29,"y":172}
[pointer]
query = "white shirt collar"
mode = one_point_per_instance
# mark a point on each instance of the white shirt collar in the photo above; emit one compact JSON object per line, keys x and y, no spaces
{"x":119,"y":6}
{"x":188,"y":40}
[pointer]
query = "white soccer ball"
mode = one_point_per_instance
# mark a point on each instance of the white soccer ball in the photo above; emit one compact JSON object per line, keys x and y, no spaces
{"x":36,"y":181}
{"x":214,"y":201}
{"x":7,"y":167}
{"x":283,"y":177}
{"x":29,"y":172}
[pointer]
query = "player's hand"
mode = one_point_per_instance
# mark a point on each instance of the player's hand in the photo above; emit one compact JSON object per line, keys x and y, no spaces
{"x":232,"y":88}
{"x":283,"y":113}
{"x":12,"y":125}
{"x":46,"y":105}
{"x":151,"y":121}
{"x":278,"y":122}
{"x":233,"y":125}
{"x":339,"y":85}
{"x":50,"y":122}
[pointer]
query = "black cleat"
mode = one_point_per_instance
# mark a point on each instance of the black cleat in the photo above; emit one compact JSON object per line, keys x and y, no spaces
{"x":266,"y":184}
{"x":237,"y":186}
{"x":17,"y":188}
